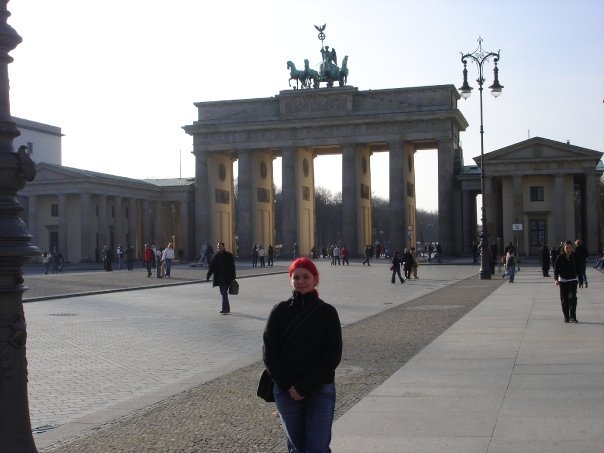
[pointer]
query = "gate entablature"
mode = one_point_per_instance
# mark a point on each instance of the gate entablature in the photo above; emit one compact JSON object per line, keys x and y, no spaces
{"x":328,"y":116}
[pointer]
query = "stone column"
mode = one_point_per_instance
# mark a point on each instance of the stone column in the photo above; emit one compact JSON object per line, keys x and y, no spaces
{"x":591,"y":215}
{"x":118,"y":223}
{"x":350,"y":198}
{"x":146,"y":218}
{"x":132,"y":218}
{"x":518,"y":215}
{"x":62,"y":220}
{"x":446,"y":187}
{"x":468,"y":235}
{"x":289,"y":202}
{"x":398,"y":195}
{"x":560,"y":211}
{"x":32,"y":221}
{"x":86,"y":252}
{"x":202,"y":201}
{"x":245,"y":227}
{"x":103,"y":226}
{"x":185,"y":229}
{"x":159,"y":237}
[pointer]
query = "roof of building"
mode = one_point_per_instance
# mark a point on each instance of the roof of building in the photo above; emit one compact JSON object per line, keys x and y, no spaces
{"x":171,"y":182}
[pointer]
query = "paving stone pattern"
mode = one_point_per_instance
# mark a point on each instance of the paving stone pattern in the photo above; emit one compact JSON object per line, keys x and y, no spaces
{"x":224,"y":415}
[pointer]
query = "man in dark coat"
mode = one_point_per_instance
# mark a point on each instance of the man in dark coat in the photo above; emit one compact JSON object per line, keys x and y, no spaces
{"x":545,"y":260}
{"x":222,"y":267}
{"x":581,"y":255}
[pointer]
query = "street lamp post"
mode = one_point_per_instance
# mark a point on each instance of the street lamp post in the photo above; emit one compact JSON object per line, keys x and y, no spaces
{"x":15,"y":248}
{"x":480,"y":57}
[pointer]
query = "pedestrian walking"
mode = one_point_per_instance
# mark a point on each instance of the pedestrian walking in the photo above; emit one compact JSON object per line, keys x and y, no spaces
{"x":566,"y":278}
{"x":510,"y":264}
{"x":46,"y":261}
{"x":270,"y":255}
{"x":545,"y":265}
{"x":408,"y":260}
{"x":396,"y":268}
{"x":129,"y":257}
{"x":581,"y":255}
{"x":368,"y":254}
{"x":148,"y":258}
{"x":119,"y":253}
{"x":222,"y":267}
{"x":167,"y":257}
{"x":159,"y":262}
{"x":344,"y":252}
{"x":415,"y":263}
{"x":302,"y":349}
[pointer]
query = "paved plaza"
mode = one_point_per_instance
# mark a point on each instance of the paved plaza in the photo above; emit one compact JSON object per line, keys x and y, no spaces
{"x":97,"y":359}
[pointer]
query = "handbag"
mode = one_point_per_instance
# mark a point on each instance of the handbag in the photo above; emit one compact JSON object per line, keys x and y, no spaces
{"x":265,"y":387}
{"x":234,"y":288}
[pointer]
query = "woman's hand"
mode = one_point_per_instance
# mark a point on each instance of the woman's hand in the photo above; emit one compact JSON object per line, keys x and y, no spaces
{"x":294,"y":394}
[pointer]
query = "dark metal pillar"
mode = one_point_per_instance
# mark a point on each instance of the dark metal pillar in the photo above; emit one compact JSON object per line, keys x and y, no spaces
{"x":15,"y":248}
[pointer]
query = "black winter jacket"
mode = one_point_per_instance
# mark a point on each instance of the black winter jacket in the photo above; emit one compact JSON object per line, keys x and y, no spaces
{"x":222,"y":267}
{"x":314,"y":350}
{"x":566,"y":268}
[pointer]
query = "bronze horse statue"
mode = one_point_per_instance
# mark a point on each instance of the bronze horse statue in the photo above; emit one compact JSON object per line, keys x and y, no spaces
{"x":309,"y":78}
{"x":294,"y":74}
{"x":343,"y":76}
{"x":311,"y":75}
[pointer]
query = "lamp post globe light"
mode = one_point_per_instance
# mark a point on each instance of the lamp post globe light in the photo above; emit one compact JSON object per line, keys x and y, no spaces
{"x":480,"y":57}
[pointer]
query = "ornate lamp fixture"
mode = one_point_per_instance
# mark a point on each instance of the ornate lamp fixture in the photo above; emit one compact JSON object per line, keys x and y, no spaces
{"x":15,"y":248}
{"x":480,"y":57}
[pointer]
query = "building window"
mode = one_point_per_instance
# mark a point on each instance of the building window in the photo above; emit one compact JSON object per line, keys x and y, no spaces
{"x":537,"y":232}
{"x":537,"y":193}
{"x":30,"y":147}
{"x":54,"y":210}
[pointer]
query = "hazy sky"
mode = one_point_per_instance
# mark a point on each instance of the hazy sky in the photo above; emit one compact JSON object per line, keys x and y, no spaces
{"x":120,"y":77}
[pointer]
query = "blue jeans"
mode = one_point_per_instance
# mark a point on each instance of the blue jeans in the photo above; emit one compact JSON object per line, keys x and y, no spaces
{"x":307,"y":423}
{"x":168,"y":266}
{"x":512,"y":271}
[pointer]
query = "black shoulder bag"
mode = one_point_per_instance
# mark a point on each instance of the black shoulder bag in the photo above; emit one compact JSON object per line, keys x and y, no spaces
{"x":265,"y":386}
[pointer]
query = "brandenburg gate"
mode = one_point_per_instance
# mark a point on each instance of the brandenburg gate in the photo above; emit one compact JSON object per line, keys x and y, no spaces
{"x":299,"y":125}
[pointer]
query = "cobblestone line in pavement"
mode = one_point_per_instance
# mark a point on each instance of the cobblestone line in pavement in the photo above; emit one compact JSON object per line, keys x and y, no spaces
{"x":42,"y":287}
{"x":224,"y":415}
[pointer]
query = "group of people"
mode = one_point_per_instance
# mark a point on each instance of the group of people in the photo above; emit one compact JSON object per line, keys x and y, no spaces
{"x":266,"y":257}
{"x":408,"y":261}
{"x":53,"y":261}
{"x":160,"y":259}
